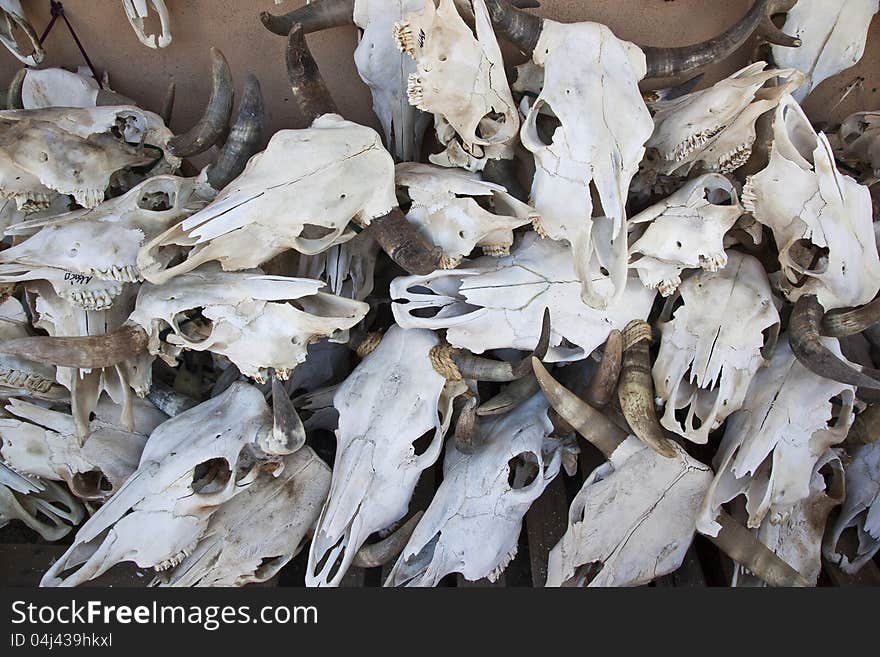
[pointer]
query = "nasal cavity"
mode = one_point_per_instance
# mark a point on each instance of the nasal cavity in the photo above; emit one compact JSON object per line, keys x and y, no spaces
{"x":155,"y":201}
{"x":522,"y":470}
{"x":718,"y":196}
{"x":211,"y":476}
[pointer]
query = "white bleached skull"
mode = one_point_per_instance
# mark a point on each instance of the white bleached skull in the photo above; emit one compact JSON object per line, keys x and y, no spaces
{"x":300,"y":193}
{"x":58,"y":87}
{"x":821,"y":219}
{"x":713,"y":344}
{"x":42,"y":442}
{"x":89,"y":255}
{"x":860,"y":512}
{"x":136,"y":11}
{"x":457,"y":211}
{"x":632,"y":521}
{"x":253,"y":535}
{"x":44,"y":506}
{"x":12,"y":18}
{"x":348,"y":268}
{"x":715,"y":127}
{"x":393,"y":398}
{"x":18,"y":375}
{"x":386,"y":70}
{"x":474,"y":521}
{"x":75,"y":150}
{"x":685,"y":231}
{"x":583,"y":171}
{"x":772,"y":444}
{"x":190,"y":465}
{"x":833,"y":34}
{"x":258,"y":322}
{"x":458,"y":75}
{"x":497,"y":303}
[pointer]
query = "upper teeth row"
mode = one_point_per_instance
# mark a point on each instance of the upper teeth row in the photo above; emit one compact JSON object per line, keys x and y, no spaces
{"x":124,"y":274}
{"x":26,"y":380}
{"x":94,"y":299}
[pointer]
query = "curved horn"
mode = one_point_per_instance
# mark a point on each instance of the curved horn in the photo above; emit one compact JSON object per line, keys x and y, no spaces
{"x":87,"y":352}
{"x":583,"y":418}
{"x":288,"y":433}
{"x":378,"y":554}
{"x":636,"y":391}
{"x":742,"y":546}
{"x":314,"y":17}
{"x":604,"y":382}
{"x":468,"y":436}
{"x":243,"y":139}
{"x":772,"y":34}
{"x":865,"y":428}
{"x":672,"y":62}
{"x":214,"y":121}
{"x":510,"y":397}
{"x":168,"y":103}
{"x":309,"y":89}
{"x":521,"y":29}
{"x":803,"y":335}
{"x":404,"y":245}
{"x":13,"y":93}
{"x":843,"y":323}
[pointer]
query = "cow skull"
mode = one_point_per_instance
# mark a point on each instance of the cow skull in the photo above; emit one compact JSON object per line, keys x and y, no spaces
{"x":44,"y":506}
{"x":12,"y":16}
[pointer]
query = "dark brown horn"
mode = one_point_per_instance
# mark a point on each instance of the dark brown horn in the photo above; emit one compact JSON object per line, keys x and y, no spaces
{"x":636,"y":391}
{"x":583,"y":418}
{"x":243,"y":139}
{"x":215,"y":120}
{"x":288,"y":432}
{"x":168,"y":103}
{"x":468,"y":437}
{"x":87,"y":352}
{"x":404,"y":245}
{"x":604,"y":382}
{"x":772,"y":34}
{"x":672,"y":62}
{"x":309,"y":89}
{"x":520,"y":28}
{"x":378,"y":554}
{"x":803,"y":335}
{"x":843,"y":323}
{"x":314,"y":17}
{"x":865,"y":428}
{"x":13,"y":93}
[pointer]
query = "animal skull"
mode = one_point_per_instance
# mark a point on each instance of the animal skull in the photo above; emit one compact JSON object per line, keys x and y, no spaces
{"x":389,"y":401}
{"x":833,"y":35}
{"x":496,"y":303}
{"x":58,"y":87}
{"x":44,"y":506}
{"x":819,"y":217}
{"x":137,"y":11}
{"x":860,"y":140}
{"x":446,"y":209}
{"x":190,"y":465}
{"x":713,"y":344}
{"x":685,"y":231}
{"x":474,"y":521}
{"x":19,"y":374}
{"x":12,"y":13}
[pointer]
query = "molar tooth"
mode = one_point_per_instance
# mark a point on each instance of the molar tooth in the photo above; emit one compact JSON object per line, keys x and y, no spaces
{"x":404,"y":37}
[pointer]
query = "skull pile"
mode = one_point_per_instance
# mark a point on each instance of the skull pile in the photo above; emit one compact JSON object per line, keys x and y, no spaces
{"x":350,"y":349}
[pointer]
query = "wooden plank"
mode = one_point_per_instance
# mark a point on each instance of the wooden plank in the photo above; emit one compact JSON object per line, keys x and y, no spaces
{"x":23,"y":565}
{"x":546,"y":522}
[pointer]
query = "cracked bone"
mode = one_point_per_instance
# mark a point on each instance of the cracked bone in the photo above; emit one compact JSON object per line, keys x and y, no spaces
{"x":393,"y":398}
{"x":191,"y":464}
{"x":496,"y":303}
{"x":136,"y":11}
{"x":12,"y":17}
{"x":474,"y":521}
{"x":44,"y":506}
{"x":685,"y":231}
{"x":819,"y":217}
{"x":712,"y":346}
{"x":833,"y":34}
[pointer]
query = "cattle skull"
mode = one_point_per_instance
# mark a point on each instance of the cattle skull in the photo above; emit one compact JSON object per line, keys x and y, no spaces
{"x":11,"y":16}
{"x":136,"y":11}
{"x":44,"y":506}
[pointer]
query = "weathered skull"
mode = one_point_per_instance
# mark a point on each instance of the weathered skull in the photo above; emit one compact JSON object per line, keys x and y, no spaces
{"x":300,"y":193}
{"x":386,"y":70}
{"x":253,"y":535}
{"x":772,"y":444}
{"x":473,"y":523}
{"x":833,"y":34}
{"x":257,"y":321}
{"x":137,"y":11}
{"x":458,"y":75}
{"x":43,"y":443}
{"x":820,"y":218}
{"x":632,"y":521}
{"x":716,"y":126}
{"x":19,"y":374}
{"x":713,"y":344}
{"x":75,"y":151}
{"x":860,"y":140}
{"x":11,"y":14}
{"x":496,"y":303}
{"x":860,"y":511}
{"x":446,"y":209}
{"x":583,"y":174}
{"x":348,"y":268}
{"x":89,"y":255}
{"x":685,"y":231}
{"x":44,"y":506}
{"x":58,"y":87}
{"x":191,"y":465}
{"x":393,"y":398}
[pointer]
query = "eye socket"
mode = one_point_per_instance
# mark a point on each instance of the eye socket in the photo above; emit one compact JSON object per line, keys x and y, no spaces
{"x":522,"y":470}
{"x":91,"y":482}
{"x":211,"y":476}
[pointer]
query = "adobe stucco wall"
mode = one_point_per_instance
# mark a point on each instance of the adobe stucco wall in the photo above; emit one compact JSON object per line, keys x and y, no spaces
{"x":234,"y":27}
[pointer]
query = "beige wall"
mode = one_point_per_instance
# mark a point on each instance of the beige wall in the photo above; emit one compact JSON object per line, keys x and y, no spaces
{"x":234,"y":27}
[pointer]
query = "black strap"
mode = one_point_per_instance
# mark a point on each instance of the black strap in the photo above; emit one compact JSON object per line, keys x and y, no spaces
{"x":57,"y":9}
